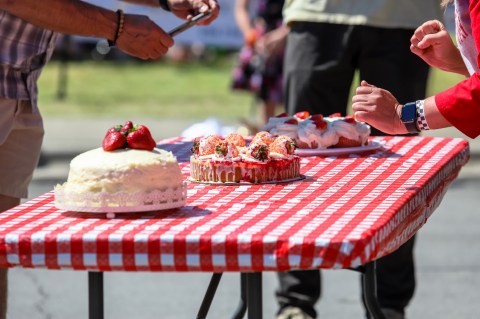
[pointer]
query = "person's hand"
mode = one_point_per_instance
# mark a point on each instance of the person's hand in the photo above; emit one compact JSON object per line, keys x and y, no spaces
{"x":379,"y":108}
{"x":432,"y":42}
{"x":273,"y":42}
{"x":187,"y":9}
{"x":142,"y":38}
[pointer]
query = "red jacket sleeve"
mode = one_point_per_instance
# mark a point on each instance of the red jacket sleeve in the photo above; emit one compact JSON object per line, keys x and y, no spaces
{"x":460,"y":105}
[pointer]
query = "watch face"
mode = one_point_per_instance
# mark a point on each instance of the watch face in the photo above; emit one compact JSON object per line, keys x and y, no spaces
{"x":409,"y":112}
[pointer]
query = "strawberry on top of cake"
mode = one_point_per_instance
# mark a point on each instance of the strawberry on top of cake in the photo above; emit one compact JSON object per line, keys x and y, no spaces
{"x":128,"y":172}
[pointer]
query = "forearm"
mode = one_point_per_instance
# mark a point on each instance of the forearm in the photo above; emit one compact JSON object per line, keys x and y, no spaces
{"x":69,"y":17}
{"x":242,"y":17}
{"x":150,"y":3}
{"x":434,"y":118}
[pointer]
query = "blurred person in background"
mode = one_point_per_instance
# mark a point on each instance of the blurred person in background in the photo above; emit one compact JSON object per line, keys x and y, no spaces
{"x":259,"y":68}
{"x":458,"y":106}
{"x":28,"y":33}
{"x":328,"y":42}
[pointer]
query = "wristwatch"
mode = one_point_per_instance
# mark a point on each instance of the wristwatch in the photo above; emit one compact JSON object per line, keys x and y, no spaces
{"x":409,"y":117}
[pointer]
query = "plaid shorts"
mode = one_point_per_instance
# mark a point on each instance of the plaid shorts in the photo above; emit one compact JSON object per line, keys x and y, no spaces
{"x":21,"y":135}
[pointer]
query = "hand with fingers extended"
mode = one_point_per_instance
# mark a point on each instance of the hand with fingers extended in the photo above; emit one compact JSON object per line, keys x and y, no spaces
{"x":379,"y":108}
{"x":432,"y":42}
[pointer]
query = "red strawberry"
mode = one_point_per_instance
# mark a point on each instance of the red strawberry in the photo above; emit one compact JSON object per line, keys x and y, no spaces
{"x":113,"y":140}
{"x":335,"y":115}
{"x":302,"y":115}
{"x":350,"y":119}
{"x":126,"y":127}
{"x":291,"y":121}
{"x":282,"y":115}
{"x":316,"y":117}
{"x":140,"y":138}
{"x":321,"y":125}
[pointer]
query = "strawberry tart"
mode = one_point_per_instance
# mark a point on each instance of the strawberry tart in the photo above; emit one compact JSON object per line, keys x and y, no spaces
{"x":319,"y":132}
{"x":128,"y":173}
{"x":230,"y":160}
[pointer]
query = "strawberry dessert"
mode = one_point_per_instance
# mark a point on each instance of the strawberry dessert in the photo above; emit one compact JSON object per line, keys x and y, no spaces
{"x":319,"y":132}
{"x":350,"y":132}
{"x":265,"y":159}
{"x":128,"y":173}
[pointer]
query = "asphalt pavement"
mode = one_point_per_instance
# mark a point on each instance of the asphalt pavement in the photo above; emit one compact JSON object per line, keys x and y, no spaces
{"x":447,"y":254}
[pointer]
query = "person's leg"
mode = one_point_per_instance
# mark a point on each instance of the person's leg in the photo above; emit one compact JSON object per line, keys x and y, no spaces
{"x":300,"y":289}
{"x":318,"y":71}
{"x":396,"y":280}
{"x":21,"y":133}
{"x":386,"y":62}
{"x":6,"y":202}
{"x":317,"y":78}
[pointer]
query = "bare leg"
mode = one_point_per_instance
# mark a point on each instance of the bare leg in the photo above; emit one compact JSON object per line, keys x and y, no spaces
{"x":6,"y":203}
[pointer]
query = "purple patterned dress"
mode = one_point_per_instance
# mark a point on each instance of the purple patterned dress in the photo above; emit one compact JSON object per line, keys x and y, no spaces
{"x":253,"y":72}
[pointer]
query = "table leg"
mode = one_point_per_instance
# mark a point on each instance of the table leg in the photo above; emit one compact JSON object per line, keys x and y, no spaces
{"x":242,"y":306}
{"x":208,"y":298}
{"x":370,"y":291}
{"x":95,"y":295}
{"x":254,"y":295}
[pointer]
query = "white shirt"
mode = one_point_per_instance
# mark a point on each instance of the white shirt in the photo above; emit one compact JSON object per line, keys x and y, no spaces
{"x":408,"y":14}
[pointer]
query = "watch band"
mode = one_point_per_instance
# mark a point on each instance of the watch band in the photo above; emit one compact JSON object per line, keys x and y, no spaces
{"x":421,"y":119}
{"x":409,"y":117}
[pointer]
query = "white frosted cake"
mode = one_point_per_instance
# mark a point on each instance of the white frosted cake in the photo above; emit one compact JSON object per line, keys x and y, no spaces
{"x":122,"y":180}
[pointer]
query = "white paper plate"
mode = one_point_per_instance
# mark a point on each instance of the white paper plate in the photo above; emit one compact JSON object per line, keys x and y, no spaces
{"x":373,"y":145}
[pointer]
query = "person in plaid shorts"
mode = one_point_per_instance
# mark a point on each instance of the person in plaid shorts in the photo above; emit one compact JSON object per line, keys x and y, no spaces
{"x":28,"y":33}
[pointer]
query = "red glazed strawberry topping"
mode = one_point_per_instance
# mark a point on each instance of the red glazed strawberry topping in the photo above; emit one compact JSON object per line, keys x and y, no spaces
{"x":282,"y":115}
{"x":292,"y":121}
{"x":302,"y":115}
{"x":321,"y":125}
{"x":316,"y":117}
{"x":350,"y":119}
{"x":335,"y":115}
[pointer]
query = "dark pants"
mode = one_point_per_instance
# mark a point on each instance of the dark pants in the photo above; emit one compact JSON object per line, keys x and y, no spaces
{"x":320,"y":63}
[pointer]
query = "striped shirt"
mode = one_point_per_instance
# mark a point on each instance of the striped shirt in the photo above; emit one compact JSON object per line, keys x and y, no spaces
{"x":24,"y":50}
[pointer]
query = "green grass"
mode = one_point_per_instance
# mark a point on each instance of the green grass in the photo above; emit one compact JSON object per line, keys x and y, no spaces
{"x":158,"y":90}
{"x":155,"y":90}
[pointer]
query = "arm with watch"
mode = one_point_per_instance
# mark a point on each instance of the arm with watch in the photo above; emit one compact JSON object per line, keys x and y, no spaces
{"x":136,"y":35}
{"x":379,"y":108}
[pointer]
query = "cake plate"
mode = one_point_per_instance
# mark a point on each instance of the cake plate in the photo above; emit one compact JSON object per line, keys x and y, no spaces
{"x":111,"y":204}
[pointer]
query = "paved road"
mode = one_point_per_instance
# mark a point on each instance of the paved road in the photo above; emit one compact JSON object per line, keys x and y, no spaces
{"x":447,"y":257}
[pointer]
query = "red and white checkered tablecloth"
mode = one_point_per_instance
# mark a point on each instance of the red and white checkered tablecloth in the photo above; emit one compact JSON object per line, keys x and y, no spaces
{"x":349,"y":210}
